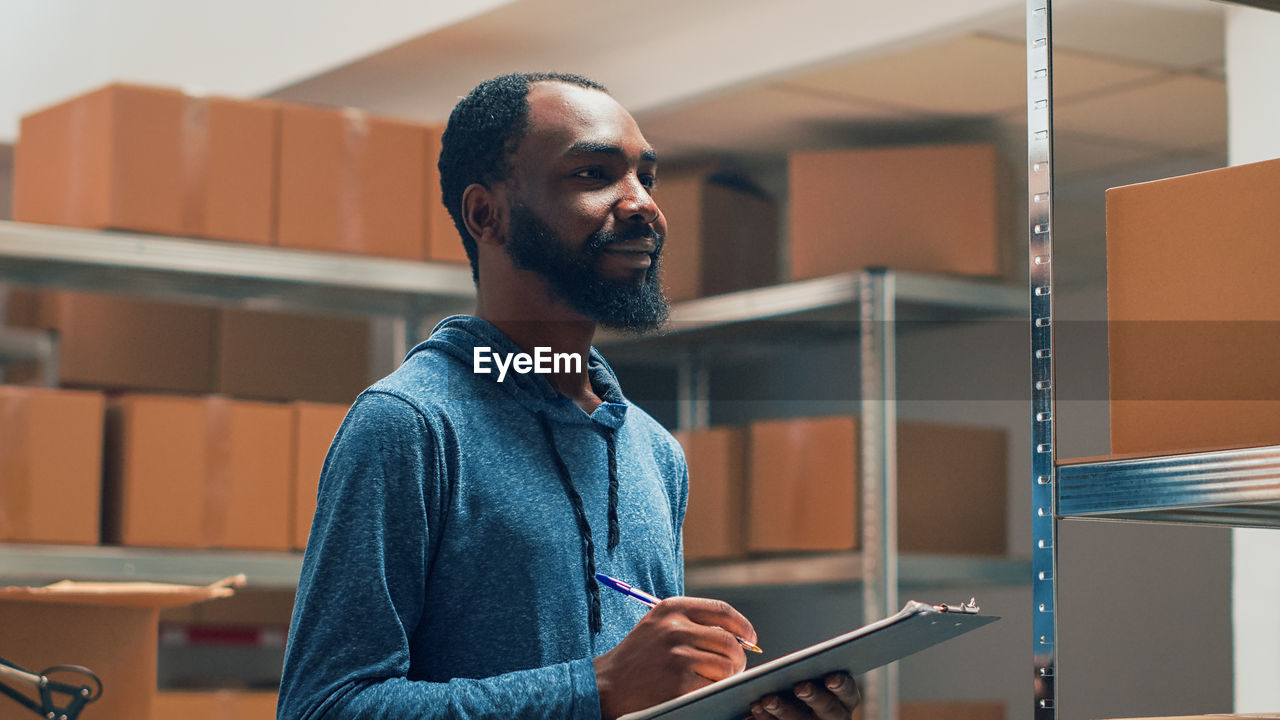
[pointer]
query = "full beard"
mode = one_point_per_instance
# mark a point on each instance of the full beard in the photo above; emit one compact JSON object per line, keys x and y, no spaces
{"x":627,"y":305}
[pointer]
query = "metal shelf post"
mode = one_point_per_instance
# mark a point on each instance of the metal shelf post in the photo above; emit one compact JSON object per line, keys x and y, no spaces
{"x":879,"y":459}
{"x":1040,"y":245}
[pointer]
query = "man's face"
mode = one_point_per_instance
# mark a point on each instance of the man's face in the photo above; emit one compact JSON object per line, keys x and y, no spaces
{"x":581,"y":210}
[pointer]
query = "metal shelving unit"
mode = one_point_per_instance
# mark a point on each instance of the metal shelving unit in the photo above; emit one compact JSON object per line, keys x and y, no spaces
{"x":1228,"y":488}
{"x":932,"y":571}
{"x":869,"y":306}
{"x":209,"y":272}
{"x":223,"y":273}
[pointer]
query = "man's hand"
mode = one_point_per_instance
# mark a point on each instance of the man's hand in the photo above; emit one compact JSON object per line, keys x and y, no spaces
{"x":682,"y":644}
{"x":832,"y":699}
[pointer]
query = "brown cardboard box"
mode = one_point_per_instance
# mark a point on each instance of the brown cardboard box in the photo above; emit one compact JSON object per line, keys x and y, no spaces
{"x":241,"y":171}
{"x":804,"y":484}
{"x":50,"y":465}
{"x":214,"y":705}
{"x":122,"y":343}
{"x":289,"y":356}
{"x":157,"y":455}
{"x":352,"y":182}
{"x":937,"y":209}
{"x":952,"y":710}
{"x":314,"y":426}
{"x":1192,"y":307}
{"x":247,"y":491}
{"x":109,"y":628}
{"x":149,"y":159}
{"x":197,"y":473}
{"x":715,"y":521}
{"x":952,"y":486}
{"x":443,"y":242}
{"x":720,"y":238}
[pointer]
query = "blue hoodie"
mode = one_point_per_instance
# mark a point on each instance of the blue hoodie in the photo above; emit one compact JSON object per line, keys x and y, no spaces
{"x":459,"y":524}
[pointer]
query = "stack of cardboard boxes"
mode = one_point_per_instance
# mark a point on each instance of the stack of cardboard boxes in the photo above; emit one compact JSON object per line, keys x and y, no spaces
{"x":174,"y":471}
{"x":787,"y":486}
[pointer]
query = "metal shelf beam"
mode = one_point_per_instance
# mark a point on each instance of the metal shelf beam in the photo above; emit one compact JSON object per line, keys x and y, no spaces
{"x":211,"y":271}
{"x":933,"y":571}
{"x":1238,"y":488}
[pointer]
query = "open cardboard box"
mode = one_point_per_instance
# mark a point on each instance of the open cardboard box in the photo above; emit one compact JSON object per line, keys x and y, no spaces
{"x":110,"y":628}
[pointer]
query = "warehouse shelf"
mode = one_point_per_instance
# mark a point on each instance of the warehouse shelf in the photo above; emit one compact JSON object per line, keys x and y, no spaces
{"x":1230,"y":488}
{"x":22,"y":564}
{"x":808,"y":311}
{"x":914,"y":570}
{"x":1236,"y":488}
{"x":40,"y":564}
{"x":212,"y":271}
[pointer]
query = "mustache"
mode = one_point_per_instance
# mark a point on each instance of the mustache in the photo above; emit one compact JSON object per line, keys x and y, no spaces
{"x":601,"y":239}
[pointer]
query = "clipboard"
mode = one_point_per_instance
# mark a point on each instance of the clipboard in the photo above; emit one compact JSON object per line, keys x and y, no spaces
{"x":916,"y":627}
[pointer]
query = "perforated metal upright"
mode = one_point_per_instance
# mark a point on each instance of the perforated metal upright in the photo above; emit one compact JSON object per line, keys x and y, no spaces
{"x":1044,"y":528}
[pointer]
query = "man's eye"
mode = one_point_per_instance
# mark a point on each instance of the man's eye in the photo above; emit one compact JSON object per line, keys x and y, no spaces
{"x":591,"y":173}
{"x":649,"y":181}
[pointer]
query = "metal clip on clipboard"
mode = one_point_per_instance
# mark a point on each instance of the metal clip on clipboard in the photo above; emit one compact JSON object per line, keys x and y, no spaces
{"x":80,"y":695}
{"x":969,"y":608}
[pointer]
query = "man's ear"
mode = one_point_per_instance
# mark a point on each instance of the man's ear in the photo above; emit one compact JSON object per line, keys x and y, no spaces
{"x":484,"y":213}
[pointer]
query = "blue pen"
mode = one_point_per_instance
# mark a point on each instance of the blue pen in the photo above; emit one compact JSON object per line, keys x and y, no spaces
{"x":650,"y":600}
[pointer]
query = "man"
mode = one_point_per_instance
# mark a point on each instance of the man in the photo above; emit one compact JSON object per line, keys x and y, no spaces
{"x":466,"y":503}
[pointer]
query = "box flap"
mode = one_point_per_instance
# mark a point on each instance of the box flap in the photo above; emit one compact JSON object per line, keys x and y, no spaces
{"x":123,"y":594}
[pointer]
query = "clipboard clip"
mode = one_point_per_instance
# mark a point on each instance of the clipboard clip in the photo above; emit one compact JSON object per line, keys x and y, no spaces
{"x":969,"y":608}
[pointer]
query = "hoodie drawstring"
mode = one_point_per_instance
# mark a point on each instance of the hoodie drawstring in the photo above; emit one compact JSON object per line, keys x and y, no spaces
{"x":596,"y":619}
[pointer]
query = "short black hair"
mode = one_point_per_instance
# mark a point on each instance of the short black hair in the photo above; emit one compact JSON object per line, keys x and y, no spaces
{"x":484,"y":128}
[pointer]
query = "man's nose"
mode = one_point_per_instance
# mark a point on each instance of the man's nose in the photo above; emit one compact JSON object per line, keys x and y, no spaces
{"x":637,"y":203}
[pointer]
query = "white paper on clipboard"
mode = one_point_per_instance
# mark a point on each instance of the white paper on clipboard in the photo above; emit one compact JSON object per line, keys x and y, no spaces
{"x":916,"y":627}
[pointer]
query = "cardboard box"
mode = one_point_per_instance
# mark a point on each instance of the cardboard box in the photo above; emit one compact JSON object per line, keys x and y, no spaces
{"x":197,"y":473}
{"x":50,"y":465}
{"x":1192,"y":307}
{"x":952,"y":488}
{"x":352,"y":182}
{"x":157,"y":453}
{"x":314,"y":426}
{"x":241,"y":170}
{"x":291,"y":356}
{"x":121,"y":343}
{"x":721,"y":237}
{"x":149,"y":159}
{"x":443,"y":242}
{"x":952,"y":710}
{"x":214,"y":705}
{"x":935,"y":209}
{"x":715,"y":520}
{"x":248,"y":483}
{"x":805,"y":484}
{"x":109,"y":628}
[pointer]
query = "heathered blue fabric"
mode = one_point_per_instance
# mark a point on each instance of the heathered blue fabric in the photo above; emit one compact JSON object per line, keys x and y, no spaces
{"x":444,"y":575}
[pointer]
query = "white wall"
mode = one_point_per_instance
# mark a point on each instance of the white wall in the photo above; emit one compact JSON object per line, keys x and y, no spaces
{"x":1253,"y":112}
